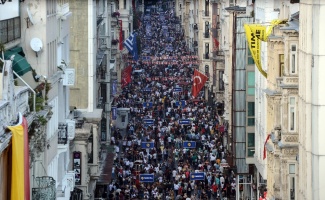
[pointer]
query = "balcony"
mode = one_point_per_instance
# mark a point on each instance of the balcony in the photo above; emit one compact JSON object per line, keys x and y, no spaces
{"x":114,"y":23}
{"x":218,"y":56}
{"x":205,"y":13}
{"x":45,"y":189}
{"x":289,"y":82}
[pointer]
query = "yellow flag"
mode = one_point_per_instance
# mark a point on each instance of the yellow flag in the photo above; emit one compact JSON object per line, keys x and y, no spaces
{"x":20,"y":183}
{"x":255,"y":33}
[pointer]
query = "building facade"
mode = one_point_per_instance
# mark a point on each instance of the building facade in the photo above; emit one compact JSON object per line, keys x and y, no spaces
{"x":96,"y":53}
{"x":282,"y":94}
{"x":275,"y":108}
{"x":311,"y":100}
{"x":41,"y":62}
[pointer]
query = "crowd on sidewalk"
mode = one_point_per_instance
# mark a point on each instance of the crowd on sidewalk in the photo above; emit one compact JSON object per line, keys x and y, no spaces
{"x":168,"y":160}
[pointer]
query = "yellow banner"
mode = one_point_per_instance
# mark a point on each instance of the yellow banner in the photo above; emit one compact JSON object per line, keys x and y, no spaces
{"x":20,"y":183}
{"x":17,"y":177}
{"x":255,"y":33}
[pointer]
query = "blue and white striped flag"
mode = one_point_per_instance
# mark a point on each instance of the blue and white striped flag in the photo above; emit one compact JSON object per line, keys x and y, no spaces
{"x":131,"y":44}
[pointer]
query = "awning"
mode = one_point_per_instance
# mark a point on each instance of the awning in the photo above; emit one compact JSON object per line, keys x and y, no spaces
{"x":19,"y":64}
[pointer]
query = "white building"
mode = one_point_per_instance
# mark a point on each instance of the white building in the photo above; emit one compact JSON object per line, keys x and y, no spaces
{"x":311,"y":100}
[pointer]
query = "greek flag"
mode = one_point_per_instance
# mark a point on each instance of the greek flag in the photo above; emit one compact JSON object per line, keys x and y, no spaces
{"x":131,"y":45}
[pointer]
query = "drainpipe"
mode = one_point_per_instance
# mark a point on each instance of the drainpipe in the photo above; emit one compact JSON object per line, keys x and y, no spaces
{"x":34,"y":93}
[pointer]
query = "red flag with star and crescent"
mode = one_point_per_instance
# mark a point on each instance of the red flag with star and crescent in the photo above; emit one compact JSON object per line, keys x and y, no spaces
{"x":199,"y":80}
{"x":126,"y":76}
{"x":264,"y":151}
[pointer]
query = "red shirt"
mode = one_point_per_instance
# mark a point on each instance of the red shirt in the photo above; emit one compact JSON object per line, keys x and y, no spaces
{"x":214,"y":188}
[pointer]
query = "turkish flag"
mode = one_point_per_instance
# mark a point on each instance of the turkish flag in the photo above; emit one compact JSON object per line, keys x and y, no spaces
{"x":264,"y":152}
{"x":126,"y":76}
{"x":216,"y":42}
{"x":199,"y":80}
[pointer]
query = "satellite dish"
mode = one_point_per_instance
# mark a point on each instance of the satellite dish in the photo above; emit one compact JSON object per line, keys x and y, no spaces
{"x":36,"y":44}
{"x":30,"y":16}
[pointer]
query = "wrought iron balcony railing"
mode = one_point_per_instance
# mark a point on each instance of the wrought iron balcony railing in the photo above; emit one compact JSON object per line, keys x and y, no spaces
{"x":45,"y":190}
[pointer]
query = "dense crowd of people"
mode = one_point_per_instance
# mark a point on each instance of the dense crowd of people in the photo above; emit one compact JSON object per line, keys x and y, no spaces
{"x":155,"y":98}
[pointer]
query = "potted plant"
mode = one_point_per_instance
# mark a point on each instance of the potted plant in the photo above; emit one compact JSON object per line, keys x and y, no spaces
{"x":116,"y":14}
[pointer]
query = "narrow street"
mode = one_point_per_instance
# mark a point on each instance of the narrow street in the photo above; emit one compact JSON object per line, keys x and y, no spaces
{"x":173,"y":145}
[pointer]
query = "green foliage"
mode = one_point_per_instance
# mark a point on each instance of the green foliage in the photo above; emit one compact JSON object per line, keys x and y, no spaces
{"x":42,"y":121}
{"x":39,"y":104}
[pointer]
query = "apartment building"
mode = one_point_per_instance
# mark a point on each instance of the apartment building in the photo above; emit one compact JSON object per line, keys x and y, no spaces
{"x":36,"y":38}
{"x":201,"y":25}
{"x":282,"y":112}
{"x":276,"y":103}
{"x":96,"y":54}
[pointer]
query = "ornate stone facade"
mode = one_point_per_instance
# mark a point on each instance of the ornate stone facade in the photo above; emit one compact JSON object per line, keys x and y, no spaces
{"x":282,"y":110}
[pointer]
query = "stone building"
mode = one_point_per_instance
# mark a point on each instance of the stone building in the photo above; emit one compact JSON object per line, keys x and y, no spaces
{"x":282,"y":104}
{"x":201,"y":25}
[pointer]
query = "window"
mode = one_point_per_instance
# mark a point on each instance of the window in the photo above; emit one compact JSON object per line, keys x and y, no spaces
{"x":250,"y":121}
{"x":90,"y":148}
{"x":206,"y":54}
{"x":251,"y":113}
{"x":207,"y":70}
{"x":221,"y":83}
{"x":124,"y":4}
{"x":293,"y":59}
{"x":250,"y":144}
{"x":250,"y":60}
{"x":292,"y":181}
{"x":251,"y":109}
{"x":123,"y":118}
{"x":281,"y":63}
{"x":207,"y":6}
{"x":206,"y":30}
{"x":231,"y":3}
{"x":251,"y":83}
{"x":10,"y":30}
{"x":292,"y":113}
